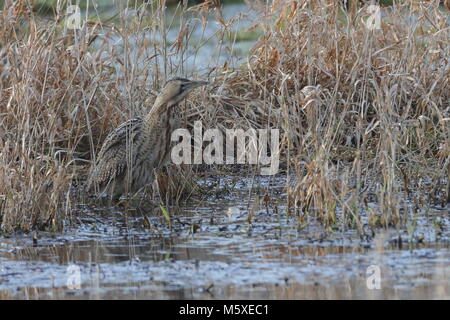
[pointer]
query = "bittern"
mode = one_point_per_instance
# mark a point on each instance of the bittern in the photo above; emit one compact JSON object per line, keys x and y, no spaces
{"x":134,"y":151}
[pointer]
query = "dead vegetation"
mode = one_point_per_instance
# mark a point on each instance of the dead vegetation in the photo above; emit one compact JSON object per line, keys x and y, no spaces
{"x":364,"y":113}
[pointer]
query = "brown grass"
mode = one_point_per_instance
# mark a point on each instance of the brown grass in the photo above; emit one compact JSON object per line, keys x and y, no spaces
{"x":364,"y":113}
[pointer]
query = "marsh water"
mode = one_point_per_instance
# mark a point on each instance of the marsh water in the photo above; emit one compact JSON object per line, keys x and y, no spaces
{"x":211,"y":251}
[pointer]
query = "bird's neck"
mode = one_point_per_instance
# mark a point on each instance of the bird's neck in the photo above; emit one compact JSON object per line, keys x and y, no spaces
{"x":159,"y":112}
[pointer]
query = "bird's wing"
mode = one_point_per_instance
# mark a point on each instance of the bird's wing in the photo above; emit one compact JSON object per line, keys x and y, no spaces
{"x":111,"y":161}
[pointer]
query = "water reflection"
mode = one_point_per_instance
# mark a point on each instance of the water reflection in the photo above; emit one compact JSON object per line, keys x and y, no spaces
{"x":224,"y":259}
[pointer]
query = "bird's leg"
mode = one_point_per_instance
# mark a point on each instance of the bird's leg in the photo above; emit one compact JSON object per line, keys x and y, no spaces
{"x":134,"y":199}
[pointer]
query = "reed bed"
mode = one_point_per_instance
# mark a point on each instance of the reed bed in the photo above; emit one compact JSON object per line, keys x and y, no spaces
{"x":363,"y":113}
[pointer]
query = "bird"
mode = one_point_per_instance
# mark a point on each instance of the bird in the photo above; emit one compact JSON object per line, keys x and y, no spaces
{"x":139,"y":147}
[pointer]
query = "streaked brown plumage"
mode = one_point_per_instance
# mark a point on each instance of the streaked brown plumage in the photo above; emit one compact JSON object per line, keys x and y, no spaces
{"x":132,"y":153}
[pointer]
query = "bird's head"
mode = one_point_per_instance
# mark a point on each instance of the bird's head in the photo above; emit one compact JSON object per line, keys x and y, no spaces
{"x":177,"y":89}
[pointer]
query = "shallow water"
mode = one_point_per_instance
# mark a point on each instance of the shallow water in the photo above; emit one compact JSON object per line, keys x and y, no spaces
{"x":208,"y":46}
{"x":226,"y":257}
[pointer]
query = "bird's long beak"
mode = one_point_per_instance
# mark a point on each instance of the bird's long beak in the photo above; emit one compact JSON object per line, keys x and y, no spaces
{"x":194,"y":84}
